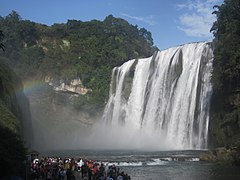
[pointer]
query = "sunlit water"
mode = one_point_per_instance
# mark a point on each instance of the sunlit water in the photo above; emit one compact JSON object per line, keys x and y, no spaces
{"x":165,"y":98}
{"x":142,"y":165}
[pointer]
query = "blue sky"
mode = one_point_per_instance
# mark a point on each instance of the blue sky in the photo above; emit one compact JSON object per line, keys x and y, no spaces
{"x":171,"y":22}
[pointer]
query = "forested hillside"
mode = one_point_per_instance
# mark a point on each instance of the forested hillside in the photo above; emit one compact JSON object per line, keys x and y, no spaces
{"x":225,"y":115}
{"x":12,"y":151}
{"x":75,"y":49}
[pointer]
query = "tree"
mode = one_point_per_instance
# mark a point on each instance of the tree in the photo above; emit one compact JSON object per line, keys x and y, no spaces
{"x":1,"y":39}
{"x":226,"y":30}
{"x":225,"y":105}
{"x":14,"y":17}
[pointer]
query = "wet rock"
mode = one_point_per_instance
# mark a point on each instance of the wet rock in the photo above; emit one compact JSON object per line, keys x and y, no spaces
{"x":209,"y":157}
{"x":220,"y":155}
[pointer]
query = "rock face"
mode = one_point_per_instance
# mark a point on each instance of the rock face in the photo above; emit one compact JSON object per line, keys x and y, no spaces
{"x":73,"y":86}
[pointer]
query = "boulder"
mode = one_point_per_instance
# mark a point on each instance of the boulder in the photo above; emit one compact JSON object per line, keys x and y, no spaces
{"x":220,"y":155}
{"x":209,"y":157}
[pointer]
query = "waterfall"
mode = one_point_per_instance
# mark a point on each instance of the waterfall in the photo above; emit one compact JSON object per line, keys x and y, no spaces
{"x":165,"y":97}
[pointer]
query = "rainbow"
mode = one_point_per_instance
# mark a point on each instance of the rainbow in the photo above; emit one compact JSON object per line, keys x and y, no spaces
{"x":31,"y":86}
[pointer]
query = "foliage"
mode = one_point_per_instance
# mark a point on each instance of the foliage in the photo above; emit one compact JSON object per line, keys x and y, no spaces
{"x":1,"y":39}
{"x":76,"y":49}
{"x":226,"y":29}
{"x":225,"y":123}
{"x":8,"y":120}
{"x":12,"y":151}
{"x":9,"y":84}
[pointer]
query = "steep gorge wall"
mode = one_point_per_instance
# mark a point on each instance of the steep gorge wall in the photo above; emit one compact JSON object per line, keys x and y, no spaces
{"x":224,"y":126}
{"x":15,"y":104}
{"x":15,"y":125}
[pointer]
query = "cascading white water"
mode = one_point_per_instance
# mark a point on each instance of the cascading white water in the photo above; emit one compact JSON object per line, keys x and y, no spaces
{"x":165,"y":97}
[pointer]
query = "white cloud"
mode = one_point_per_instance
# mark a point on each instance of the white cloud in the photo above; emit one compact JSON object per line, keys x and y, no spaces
{"x":148,"y":19}
{"x":197,"y":19}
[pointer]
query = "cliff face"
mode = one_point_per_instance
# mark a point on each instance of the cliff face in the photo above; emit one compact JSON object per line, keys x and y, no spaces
{"x":225,"y":120}
{"x":13,"y":102}
{"x":13,"y":140}
{"x":74,"y":86}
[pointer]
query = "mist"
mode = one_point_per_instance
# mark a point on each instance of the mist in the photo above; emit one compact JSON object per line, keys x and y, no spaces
{"x":58,"y":126}
{"x":52,"y":131}
{"x":55,"y":123}
{"x":107,"y":137}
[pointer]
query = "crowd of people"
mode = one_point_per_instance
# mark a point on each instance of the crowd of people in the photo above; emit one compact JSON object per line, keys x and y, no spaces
{"x":48,"y":168}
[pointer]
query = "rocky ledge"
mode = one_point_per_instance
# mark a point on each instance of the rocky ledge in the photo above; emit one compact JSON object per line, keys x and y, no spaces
{"x":222,"y":155}
{"x":74,"y":86}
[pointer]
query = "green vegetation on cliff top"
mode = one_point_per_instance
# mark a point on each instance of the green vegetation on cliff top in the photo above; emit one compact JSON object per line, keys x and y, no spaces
{"x":76,"y":49}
